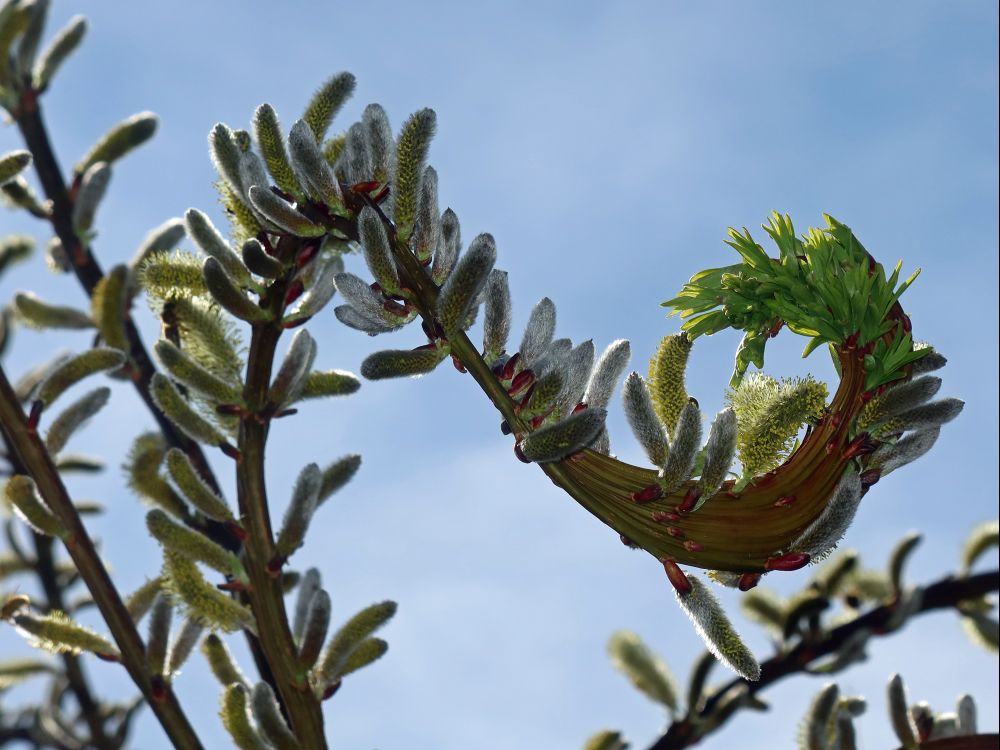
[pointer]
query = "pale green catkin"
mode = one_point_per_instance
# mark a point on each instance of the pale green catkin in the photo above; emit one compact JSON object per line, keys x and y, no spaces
{"x":139,"y":601}
{"x":294,"y":369}
{"x":204,"y":602}
{"x":73,"y":417}
{"x":192,"y":544}
{"x":314,"y":630}
{"x":366,"y":652}
{"x":461,"y":290}
{"x":643,"y":669}
{"x":187,"y":370}
{"x":194,"y":488}
{"x":221,"y":661}
{"x":12,"y":164}
{"x":666,"y":378}
{"x":15,"y":248}
{"x":36,"y":313}
{"x":236,"y":719}
{"x":108,"y":307}
{"x":93,"y":186}
{"x":397,"y":363}
{"x":172,"y":275}
{"x":715,"y":629}
{"x":178,"y":411}
{"x":211,"y":242}
{"x":378,"y":252}
{"x":497,"y":315}
{"x":266,"y":711}
{"x":271,"y":141}
{"x":320,"y":384}
{"x":336,"y":475}
{"x":326,"y":102}
{"x":21,"y":495}
{"x":559,"y":440}
{"x":606,"y":740}
{"x":75,"y":369}
{"x":58,"y":634}
{"x":183,"y":645}
{"x":411,"y":153}
{"x":58,"y":50}
{"x":282,"y":214}
{"x":299,"y":512}
{"x":142,"y":472}
{"x":228,"y":294}
{"x":642,"y":418}
{"x":120,"y":140}
{"x":349,"y":637}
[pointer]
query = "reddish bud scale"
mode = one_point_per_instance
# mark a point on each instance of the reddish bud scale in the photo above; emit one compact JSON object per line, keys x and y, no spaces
{"x":692,"y":546}
{"x":579,"y":407}
{"x":232,"y":586}
{"x":907,"y":325}
{"x":34,"y":414}
{"x":285,"y":413}
{"x":381,"y":195}
{"x":523,"y":403}
{"x":784,"y":502}
{"x":236,"y":530}
{"x":390,"y":306}
{"x":157,"y":688}
{"x":675,"y":532}
{"x":458,"y":364}
{"x":647,"y":494}
{"x":660,"y":516}
{"x":791,"y":561}
{"x":505,"y":428}
{"x":536,"y":422}
{"x":775,"y":329}
{"x":628,"y":542}
{"x":510,"y":367}
{"x":114,"y":658}
{"x":748,"y":581}
{"x":852,"y":341}
{"x":689,"y":501}
{"x":870,"y":477}
{"x":234,"y":410}
{"x":306,"y":254}
{"x":231,"y":450}
{"x":521,"y":381}
{"x":677,"y":577}
{"x":862,"y":445}
{"x":274,"y":567}
{"x":294,"y":291}
{"x":364,"y":187}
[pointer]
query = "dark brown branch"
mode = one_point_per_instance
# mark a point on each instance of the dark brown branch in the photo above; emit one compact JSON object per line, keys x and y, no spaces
{"x":943,"y":594}
{"x":33,"y":456}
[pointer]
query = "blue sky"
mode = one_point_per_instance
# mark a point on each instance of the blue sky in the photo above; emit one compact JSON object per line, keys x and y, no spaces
{"x":607,"y":147}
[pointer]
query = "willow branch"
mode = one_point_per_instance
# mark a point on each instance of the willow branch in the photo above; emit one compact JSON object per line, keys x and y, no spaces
{"x":32,"y":454}
{"x":945,"y":593}
{"x":88,"y":271}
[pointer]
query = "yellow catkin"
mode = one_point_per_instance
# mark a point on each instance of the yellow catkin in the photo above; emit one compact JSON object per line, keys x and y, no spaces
{"x":107,"y":305}
{"x":666,"y":378}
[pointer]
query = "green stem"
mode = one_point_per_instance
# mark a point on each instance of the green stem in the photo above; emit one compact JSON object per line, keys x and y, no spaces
{"x":267,"y":600}
{"x":32,"y":454}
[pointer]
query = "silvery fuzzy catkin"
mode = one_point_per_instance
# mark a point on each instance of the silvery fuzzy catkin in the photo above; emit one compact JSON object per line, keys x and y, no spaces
{"x":538,"y":333}
{"x":271,"y":142}
{"x":427,"y":226}
{"x":268,"y":715}
{"x":194,"y":488}
{"x":93,"y":186}
{"x":257,"y":261}
{"x":606,"y":372}
{"x":646,"y":672}
{"x":294,"y":368}
{"x":822,"y":536}
{"x":449,"y":246}
{"x":311,"y":167}
{"x":576,"y":371}
{"x":397,"y":363}
{"x":282,"y":214}
{"x":720,"y":450}
{"x":557,"y":441}
{"x":711,"y":622}
{"x":177,"y":410}
{"x":236,"y":718}
{"x":73,"y":417}
{"x":646,"y":426}
{"x":684,"y":446}
{"x":120,"y":140}
{"x":59,"y":49}
{"x":460,"y":291}
{"x":211,"y":242}
{"x":228,"y":294}
{"x":299,"y":512}
{"x":108,"y":303}
{"x":37,"y":313}
{"x":411,"y":153}
{"x":382,"y":145}
{"x":75,"y":369}
{"x":377,"y":250}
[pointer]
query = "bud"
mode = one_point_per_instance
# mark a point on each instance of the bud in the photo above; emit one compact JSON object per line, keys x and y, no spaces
{"x":930,"y":415}
{"x":396,"y":363}
{"x":350,"y":637}
{"x":898,"y":558}
{"x":606,"y":373}
{"x":186,"y":370}
{"x":13,"y":163}
{"x":60,"y":48}
{"x":73,"y":370}
{"x":362,"y":320}
{"x":309,"y":586}
{"x":267,"y":131}
{"x":899,"y":713}
{"x":427,"y":227}
{"x":300,"y":511}
{"x":822,"y":536}
{"x":269,"y":719}
{"x":56,"y":258}
{"x":644,"y":670}
{"x":319,"y":384}
{"x":183,"y":645}
{"x":606,"y":740}
{"x":326,"y":102}
{"x":178,"y":411}
{"x":411,"y":153}
{"x":58,"y":634}
{"x":192,"y":544}
{"x":256,"y":259}
{"x":311,"y":167}
{"x":562,"y":439}
{"x":378,"y":252}
{"x":666,"y":378}
{"x":29,"y":507}
{"x":160,"y":618}
{"x":538,"y":333}
{"x":93,"y":186}
{"x":715,"y":629}
{"x":966,"y":714}
{"x":211,"y":242}
{"x":226,"y":292}
{"x":172,"y":275}
{"x":139,"y":601}
{"x":642,"y":419}
{"x":32,"y":35}
{"x":195,"y":489}
{"x":236,"y":719}
{"x":317,"y":621}
{"x":821,"y":717}
{"x":14,"y":249}
{"x":449,"y":246}
{"x":282,"y":214}
{"x":719,"y":453}
{"x":221,"y":662}
{"x":336,"y":475}
{"x":683,"y":448}
{"x":204,"y":602}
{"x":120,"y":140}
{"x":36,"y":313}
{"x":108,"y":303}
{"x":461,"y":290}
{"x":295,"y":367}
{"x":73,"y":417}
{"x":226,"y":156}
